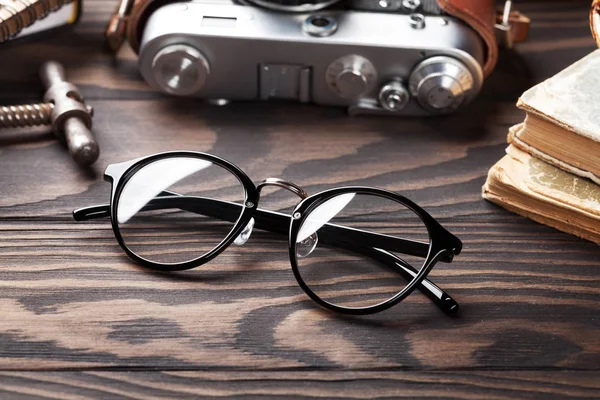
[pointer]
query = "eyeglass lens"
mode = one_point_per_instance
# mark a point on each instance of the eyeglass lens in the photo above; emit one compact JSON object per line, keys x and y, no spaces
{"x":355,"y":273}
{"x":158,"y":209}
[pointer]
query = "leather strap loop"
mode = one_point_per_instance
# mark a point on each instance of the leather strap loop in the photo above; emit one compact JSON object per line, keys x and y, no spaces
{"x":519,"y":24}
{"x":595,"y":21}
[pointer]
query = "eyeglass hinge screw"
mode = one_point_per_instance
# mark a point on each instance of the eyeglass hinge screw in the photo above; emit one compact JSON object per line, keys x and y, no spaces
{"x":297,"y":215}
{"x":249,"y":204}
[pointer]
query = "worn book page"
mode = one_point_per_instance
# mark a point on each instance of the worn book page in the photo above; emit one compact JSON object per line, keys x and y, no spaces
{"x":556,"y":184}
{"x":570,"y":99}
{"x":546,"y":194}
{"x":515,"y":139}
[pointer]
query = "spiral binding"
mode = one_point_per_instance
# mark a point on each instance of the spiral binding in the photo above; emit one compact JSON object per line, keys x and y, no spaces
{"x":18,"y":14}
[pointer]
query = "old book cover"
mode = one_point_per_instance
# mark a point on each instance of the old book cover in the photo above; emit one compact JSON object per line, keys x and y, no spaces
{"x":546,"y":194}
{"x":514,"y":134}
{"x":563,"y":120}
{"x":65,"y":15}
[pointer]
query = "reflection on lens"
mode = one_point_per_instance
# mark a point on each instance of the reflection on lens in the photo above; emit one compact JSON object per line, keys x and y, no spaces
{"x":177,"y":209}
{"x":361,"y":258}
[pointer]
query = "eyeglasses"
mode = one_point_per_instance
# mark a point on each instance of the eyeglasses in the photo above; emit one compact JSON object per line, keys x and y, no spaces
{"x":355,"y":250}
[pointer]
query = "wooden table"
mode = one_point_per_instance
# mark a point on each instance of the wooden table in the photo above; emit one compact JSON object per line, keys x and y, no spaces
{"x":78,"y":319}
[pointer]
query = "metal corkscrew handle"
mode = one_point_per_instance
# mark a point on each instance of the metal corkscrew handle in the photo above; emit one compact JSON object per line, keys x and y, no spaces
{"x":71,"y":117}
{"x":64,"y":109}
{"x":18,"y":14}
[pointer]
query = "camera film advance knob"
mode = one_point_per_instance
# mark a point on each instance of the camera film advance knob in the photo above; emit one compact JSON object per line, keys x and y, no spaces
{"x":351,"y":76}
{"x":180,"y":69}
{"x":441,"y":84}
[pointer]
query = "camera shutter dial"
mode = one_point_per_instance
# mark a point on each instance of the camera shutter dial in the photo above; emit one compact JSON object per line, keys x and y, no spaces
{"x":180,"y":69}
{"x":294,"y":5}
{"x":351,"y":76}
{"x":442,"y":84}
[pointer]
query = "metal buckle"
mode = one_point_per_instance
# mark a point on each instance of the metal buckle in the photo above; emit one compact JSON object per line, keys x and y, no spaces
{"x":504,"y":35}
{"x":124,"y":8}
{"x":115,"y":32}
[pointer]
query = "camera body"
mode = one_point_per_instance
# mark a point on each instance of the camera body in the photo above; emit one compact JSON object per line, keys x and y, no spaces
{"x":404,"y":64}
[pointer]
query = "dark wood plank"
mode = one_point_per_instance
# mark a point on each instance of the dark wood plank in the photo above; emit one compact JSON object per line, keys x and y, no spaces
{"x":299,"y":385}
{"x":70,"y":299}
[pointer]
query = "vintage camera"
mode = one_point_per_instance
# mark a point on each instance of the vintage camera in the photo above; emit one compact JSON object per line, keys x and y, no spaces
{"x":396,"y":57}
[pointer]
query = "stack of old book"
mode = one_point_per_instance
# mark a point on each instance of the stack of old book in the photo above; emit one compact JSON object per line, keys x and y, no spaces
{"x":551,"y":172}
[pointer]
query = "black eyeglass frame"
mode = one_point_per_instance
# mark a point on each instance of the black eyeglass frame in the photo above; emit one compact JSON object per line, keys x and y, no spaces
{"x":443,"y":245}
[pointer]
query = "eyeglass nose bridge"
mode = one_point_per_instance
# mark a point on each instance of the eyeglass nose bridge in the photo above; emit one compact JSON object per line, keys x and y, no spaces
{"x":247,"y":231}
{"x":307,"y":246}
{"x":292,"y":187}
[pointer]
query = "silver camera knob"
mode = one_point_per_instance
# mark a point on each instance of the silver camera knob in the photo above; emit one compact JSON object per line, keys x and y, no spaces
{"x":393,"y":96}
{"x":351,"y":76}
{"x":294,"y":5}
{"x":180,"y":69}
{"x":442,"y":84}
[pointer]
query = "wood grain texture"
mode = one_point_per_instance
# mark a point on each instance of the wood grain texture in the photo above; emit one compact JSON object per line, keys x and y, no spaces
{"x":240,"y":326}
{"x":294,"y":384}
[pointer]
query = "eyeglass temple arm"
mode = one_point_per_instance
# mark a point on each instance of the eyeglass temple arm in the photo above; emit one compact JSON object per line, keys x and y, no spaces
{"x":442,"y":299}
{"x":91,"y":212}
{"x":366,"y":243}
{"x":266,"y":220}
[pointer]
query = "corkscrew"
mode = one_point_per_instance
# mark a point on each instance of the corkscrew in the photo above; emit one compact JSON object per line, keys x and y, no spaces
{"x":15,"y":15}
{"x":64,"y":109}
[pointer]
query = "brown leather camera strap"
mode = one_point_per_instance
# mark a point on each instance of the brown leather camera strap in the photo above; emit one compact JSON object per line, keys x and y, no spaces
{"x":496,"y":27}
{"x":130,"y":17}
{"x":595,"y":21}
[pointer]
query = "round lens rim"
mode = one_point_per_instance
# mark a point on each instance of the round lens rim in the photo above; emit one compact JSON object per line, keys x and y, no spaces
{"x":309,"y":204}
{"x":250,"y":205}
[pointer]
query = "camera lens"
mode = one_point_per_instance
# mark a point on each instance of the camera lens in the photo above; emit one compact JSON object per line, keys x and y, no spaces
{"x":319,"y":25}
{"x":293,"y":5}
{"x":320,"y":22}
